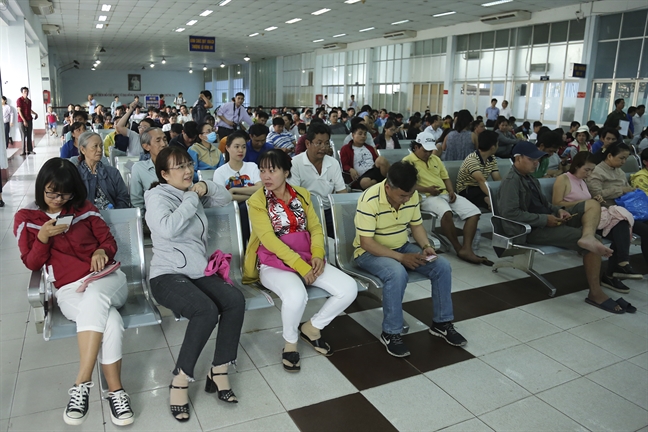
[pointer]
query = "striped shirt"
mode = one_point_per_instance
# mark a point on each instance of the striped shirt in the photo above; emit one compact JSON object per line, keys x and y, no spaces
{"x":284,"y":140}
{"x":376,"y":218}
{"x":472,"y":164}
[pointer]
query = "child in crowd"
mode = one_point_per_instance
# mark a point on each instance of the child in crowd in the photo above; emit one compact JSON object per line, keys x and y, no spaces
{"x":52,"y":119}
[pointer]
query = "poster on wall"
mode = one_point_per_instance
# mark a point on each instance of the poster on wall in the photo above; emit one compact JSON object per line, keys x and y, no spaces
{"x":134,"y":82}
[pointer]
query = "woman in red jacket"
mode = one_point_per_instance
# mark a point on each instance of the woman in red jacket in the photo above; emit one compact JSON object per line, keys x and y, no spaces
{"x":70,"y":252}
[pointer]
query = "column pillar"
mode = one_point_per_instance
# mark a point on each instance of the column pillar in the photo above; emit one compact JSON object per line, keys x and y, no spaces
{"x":15,"y":73}
{"x":448,"y":79}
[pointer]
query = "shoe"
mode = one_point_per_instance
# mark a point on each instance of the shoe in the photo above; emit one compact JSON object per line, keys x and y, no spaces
{"x":77,"y":409}
{"x":319,"y":345}
{"x":23,"y":154}
{"x":179,"y":409}
{"x":121,"y":413}
{"x":394,"y":344}
{"x":626,"y":272}
{"x":212,"y":387}
{"x":614,"y":284}
{"x":449,"y":333}
{"x":291,"y":361}
{"x":32,"y":152}
{"x":2,"y":203}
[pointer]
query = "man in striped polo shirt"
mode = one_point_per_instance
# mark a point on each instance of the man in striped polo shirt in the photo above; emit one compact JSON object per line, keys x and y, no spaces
{"x":384,"y":212}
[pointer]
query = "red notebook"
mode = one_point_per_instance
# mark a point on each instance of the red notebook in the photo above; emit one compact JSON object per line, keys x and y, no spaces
{"x":109,"y":268}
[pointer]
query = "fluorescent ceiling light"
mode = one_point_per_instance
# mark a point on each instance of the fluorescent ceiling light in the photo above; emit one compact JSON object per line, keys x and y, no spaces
{"x":400,"y":22}
{"x":206,"y":12}
{"x":192,"y":22}
{"x":152,"y":65}
{"x":318,"y":40}
{"x":103,"y":17}
{"x":181,"y":29}
{"x":254,"y":34}
{"x":340,"y":35}
{"x":271,"y":28}
{"x":495,"y":3}
{"x":190,"y":70}
{"x":98,"y":61}
{"x":106,"y":7}
{"x":367,"y":29}
{"x":293,"y":21}
{"x":92,"y":69}
{"x":351,"y":1}
{"x":223,"y":2}
{"x":444,"y":14}
{"x":320,"y":12}
{"x":204,"y":67}
{"x":99,"y":26}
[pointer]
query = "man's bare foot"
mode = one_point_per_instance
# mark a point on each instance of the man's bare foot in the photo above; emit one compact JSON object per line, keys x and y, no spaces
{"x":591,"y":244}
{"x":469,"y":256}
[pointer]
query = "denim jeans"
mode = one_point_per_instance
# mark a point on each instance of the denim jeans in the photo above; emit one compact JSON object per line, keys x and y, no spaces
{"x":201,"y":301}
{"x":394,"y":276}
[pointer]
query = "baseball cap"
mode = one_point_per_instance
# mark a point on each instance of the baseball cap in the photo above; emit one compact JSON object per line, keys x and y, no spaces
{"x":582,"y":129}
{"x":525,"y":148}
{"x":427,"y":140}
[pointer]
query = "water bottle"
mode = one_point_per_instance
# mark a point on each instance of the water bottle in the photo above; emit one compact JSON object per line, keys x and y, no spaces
{"x":476,"y":240}
{"x":110,"y":207}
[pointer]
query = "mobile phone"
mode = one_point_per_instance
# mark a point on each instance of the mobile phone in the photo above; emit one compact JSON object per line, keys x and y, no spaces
{"x":64,"y":220}
{"x":430,"y":258}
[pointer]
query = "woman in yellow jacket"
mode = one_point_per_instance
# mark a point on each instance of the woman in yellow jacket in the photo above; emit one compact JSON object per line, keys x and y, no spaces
{"x":640,"y":178}
{"x":281,"y":213}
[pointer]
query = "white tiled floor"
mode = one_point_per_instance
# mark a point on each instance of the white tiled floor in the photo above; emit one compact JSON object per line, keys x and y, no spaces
{"x":554,"y":365}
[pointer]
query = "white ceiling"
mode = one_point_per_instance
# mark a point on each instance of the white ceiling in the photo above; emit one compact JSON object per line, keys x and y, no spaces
{"x":139,"y":32}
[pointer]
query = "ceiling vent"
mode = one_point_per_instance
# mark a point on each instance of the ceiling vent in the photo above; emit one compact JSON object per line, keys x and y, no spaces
{"x":334,"y":46}
{"x":50,"y":29}
{"x":472,"y":55}
{"x":402,"y":34}
{"x":506,"y":17}
{"x":41,"y":7}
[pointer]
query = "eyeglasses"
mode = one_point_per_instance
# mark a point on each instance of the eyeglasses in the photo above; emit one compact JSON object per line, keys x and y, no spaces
{"x":184,"y":166}
{"x":321,"y":143}
{"x":55,"y":196}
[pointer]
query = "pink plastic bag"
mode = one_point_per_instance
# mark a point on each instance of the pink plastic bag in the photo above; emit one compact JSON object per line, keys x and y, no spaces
{"x":299,"y":242}
{"x":219,"y":264}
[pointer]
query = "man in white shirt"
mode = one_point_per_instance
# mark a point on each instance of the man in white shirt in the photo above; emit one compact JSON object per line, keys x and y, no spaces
{"x":92,"y":104}
{"x":114,"y":104}
{"x":352,"y":103}
{"x":134,"y":143}
{"x":179,"y":101}
{"x":7,"y":118}
{"x":138,"y":115}
{"x":638,"y":120}
{"x":318,"y":172}
{"x":505,"y":111}
{"x":434,"y":127}
{"x":184,"y":115}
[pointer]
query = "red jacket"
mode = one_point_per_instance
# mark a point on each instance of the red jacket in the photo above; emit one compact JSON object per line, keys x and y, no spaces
{"x":68,"y":255}
{"x":346,"y":158}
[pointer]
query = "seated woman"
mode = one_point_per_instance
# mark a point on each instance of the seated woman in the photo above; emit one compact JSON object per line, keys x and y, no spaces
{"x":71,"y":251}
{"x":240,"y":178}
{"x":286,"y":252}
{"x":71,"y":147}
{"x":609,"y":181}
{"x":459,"y":143}
{"x":204,"y":152}
{"x":640,"y":178}
{"x":569,"y":190}
{"x":581,"y":142}
{"x":506,"y":139}
{"x":476,"y":128}
{"x":105,"y":186}
{"x":178,"y":227}
{"x":388,"y":139}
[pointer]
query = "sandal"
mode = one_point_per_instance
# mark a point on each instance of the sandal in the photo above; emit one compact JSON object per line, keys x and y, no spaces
{"x":319,"y":345}
{"x":625,"y":305}
{"x":211,"y":387}
{"x":291,"y":361}
{"x":179,"y":409}
{"x":608,"y":305}
{"x":486,"y":261}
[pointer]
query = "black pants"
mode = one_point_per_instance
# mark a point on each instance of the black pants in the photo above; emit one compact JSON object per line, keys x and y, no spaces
{"x":620,"y":238}
{"x":330,"y":232}
{"x":641,"y":229}
{"x":224,"y":131}
{"x":27,"y":136}
{"x":6,"y":125}
{"x":201,"y":301}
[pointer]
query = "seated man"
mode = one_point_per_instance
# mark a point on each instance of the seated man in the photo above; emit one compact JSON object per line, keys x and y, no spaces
{"x":521,"y":199}
{"x":337,"y":127}
{"x":354,"y":122}
{"x":434,"y":184}
{"x":257,"y":144}
{"x":143,"y":174}
{"x":361,"y":164}
{"x":607,"y":137}
{"x":477,"y":168}
{"x":318,"y":172}
{"x":134,"y":146}
{"x":548,"y":143}
{"x":384,"y":213}
{"x":280,"y":139}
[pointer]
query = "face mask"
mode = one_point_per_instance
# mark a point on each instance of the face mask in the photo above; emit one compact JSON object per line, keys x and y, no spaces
{"x":211,"y":137}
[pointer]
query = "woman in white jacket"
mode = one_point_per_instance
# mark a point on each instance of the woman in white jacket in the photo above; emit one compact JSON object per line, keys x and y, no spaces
{"x":178,"y":226}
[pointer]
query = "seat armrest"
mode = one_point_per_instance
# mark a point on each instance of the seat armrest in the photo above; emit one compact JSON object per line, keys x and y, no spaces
{"x":527,"y":227}
{"x":36,"y":290}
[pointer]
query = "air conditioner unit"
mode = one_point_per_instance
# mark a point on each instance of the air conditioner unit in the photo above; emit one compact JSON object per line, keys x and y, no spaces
{"x":41,"y":7}
{"x":539,"y":67}
{"x":403,"y":34}
{"x":50,"y":29}
{"x":506,"y":17}
{"x":334,"y":46}
{"x":472,"y":55}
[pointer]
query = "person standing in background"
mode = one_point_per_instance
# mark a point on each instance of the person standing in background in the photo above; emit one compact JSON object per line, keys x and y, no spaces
{"x":638,"y":119}
{"x":231,"y":114}
{"x":25,"y":112}
{"x":179,"y":101}
{"x":8,"y":119}
{"x":505,"y":111}
{"x":492,"y":112}
{"x":92,"y":104}
{"x":353,"y":104}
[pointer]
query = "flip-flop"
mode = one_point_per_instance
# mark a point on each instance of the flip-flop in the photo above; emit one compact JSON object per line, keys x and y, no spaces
{"x":608,"y":305}
{"x":625,"y":305}
{"x":486,"y":261}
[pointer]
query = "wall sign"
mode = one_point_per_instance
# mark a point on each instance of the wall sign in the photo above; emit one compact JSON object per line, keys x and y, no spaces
{"x":578,"y":70}
{"x":544,"y":78}
{"x":152,"y":101}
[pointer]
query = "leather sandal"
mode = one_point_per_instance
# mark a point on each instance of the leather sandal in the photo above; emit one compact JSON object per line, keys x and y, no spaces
{"x":319,"y":345}
{"x":211,"y":387}
{"x":179,"y":409}
{"x":291,"y":361}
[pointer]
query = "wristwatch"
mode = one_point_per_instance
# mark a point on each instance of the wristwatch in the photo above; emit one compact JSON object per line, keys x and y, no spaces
{"x":427,"y":246}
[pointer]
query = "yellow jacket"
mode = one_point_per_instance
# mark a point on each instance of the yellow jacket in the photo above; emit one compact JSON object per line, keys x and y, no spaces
{"x":640,"y":179}
{"x":263,"y":233}
{"x":109,"y":141}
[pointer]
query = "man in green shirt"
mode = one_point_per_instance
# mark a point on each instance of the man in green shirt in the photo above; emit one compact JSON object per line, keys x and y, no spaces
{"x":549,"y":143}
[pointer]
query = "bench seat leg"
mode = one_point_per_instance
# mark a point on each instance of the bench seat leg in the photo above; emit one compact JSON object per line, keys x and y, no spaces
{"x":524,"y":262}
{"x":39,"y":318}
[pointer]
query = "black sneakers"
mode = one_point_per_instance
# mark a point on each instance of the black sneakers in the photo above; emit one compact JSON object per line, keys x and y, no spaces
{"x":626,"y":272}
{"x":394,"y":344}
{"x":77,"y":409}
{"x":121,"y":413}
{"x":614,"y":283}
{"x":448,"y":332}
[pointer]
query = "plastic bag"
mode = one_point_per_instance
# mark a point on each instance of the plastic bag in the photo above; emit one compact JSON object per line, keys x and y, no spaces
{"x":636,"y":202}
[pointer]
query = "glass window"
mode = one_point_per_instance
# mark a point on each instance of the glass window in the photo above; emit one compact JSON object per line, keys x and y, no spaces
{"x":634,"y":24}
{"x":609,"y":27}
{"x":398,"y":51}
{"x":524,"y":36}
{"x":444,"y":45}
{"x":462,"y":43}
{"x":474,"y":41}
{"x":390,"y":51}
{"x":488,"y":40}
{"x":629,"y":52}
{"x":644,"y":61}
{"x":541,"y":34}
{"x":427,"y":47}
{"x":605,"y":59}
{"x":559,"y":32}
{"x":502,"y":39}
{"x":437,"y":46}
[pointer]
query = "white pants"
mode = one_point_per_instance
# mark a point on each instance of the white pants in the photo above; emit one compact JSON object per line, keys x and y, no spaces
{"x":441,"y":204}
{"x":95,"y":309}
{"x":292,"y":292}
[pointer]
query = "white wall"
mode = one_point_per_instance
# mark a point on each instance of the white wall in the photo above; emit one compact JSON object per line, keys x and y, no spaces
{"x":105,"y":84}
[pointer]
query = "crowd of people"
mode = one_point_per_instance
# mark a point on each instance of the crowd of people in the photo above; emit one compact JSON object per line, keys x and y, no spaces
{"x":274,"y":164}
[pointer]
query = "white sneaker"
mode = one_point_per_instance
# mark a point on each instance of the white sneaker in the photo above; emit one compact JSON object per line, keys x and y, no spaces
{"x":121,"y":413}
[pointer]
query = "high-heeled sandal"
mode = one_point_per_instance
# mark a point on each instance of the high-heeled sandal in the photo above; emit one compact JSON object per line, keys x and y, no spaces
{"x":212,"y":387}
{"x":179,"y":409}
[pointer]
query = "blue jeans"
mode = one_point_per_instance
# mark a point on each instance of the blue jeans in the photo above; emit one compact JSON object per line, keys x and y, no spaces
{"x":395,"y":278}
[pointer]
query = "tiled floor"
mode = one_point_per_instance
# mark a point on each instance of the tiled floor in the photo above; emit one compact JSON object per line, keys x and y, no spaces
{"x":531,"y":364}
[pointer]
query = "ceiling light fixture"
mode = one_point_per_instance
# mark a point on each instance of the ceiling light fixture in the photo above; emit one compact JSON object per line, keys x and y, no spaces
{"x":206,"y":12}
{"x":367,"y":29}
{"x":495,"y":3}
{"x":239,"y":72}
{"x":102,"y":50}
{"x":99,"y":26}
{"x":93,"y":69}
{"x":152,"y":65}
{"x":143,"y":68}
{"x":222,"y":64}
{"x":190,"y":70}
{"x":103,"y":17}
{"x":192,"y":22}
{"x":320,"y":12}
{"x":400,"y":22}
{"x":223,"y":2}
{"x":205,"y":67}
{"x":318,"y":40}
{"x":351,"y":1}
{"x":444,"y":14}
{"x":181,"y":29}
{"x":163,"y":60}
{"x":340,"y":35}
{"x":98,"y":61}
{"x":106,"y":7}
{"x":246,"y":58}
{"x":293,"y":21}
{"x":271,"y":28}
{"x":254,"y":34}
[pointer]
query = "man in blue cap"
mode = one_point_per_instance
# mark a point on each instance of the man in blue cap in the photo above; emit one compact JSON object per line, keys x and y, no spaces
{"x":521,"y":199}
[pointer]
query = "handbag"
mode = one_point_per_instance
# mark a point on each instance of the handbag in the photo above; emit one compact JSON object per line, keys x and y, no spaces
{"x":636,"y":202}
{"x":299,"y":242}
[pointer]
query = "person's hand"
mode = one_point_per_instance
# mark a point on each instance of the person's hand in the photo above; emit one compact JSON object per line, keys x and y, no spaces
{"x":627,"y":189}
{"x":50,"y":230}
{"x":564,"y":214}
{"x":309,"y":278}
{"x":200,"y":188}
{"x":11,"y":125}
{"x":35,"y":116}
{"x":99,"y":260}
{"x":429,"y":251}
{"x":453,"y":197}
{"x":354,"y":174}
{"x":412,"y":260}
{"x":318,"y":266}
{"x":599,"y":198}
{"x":133,"y":105}
{"x":553,"y":221}
{"x":434,"y":190}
